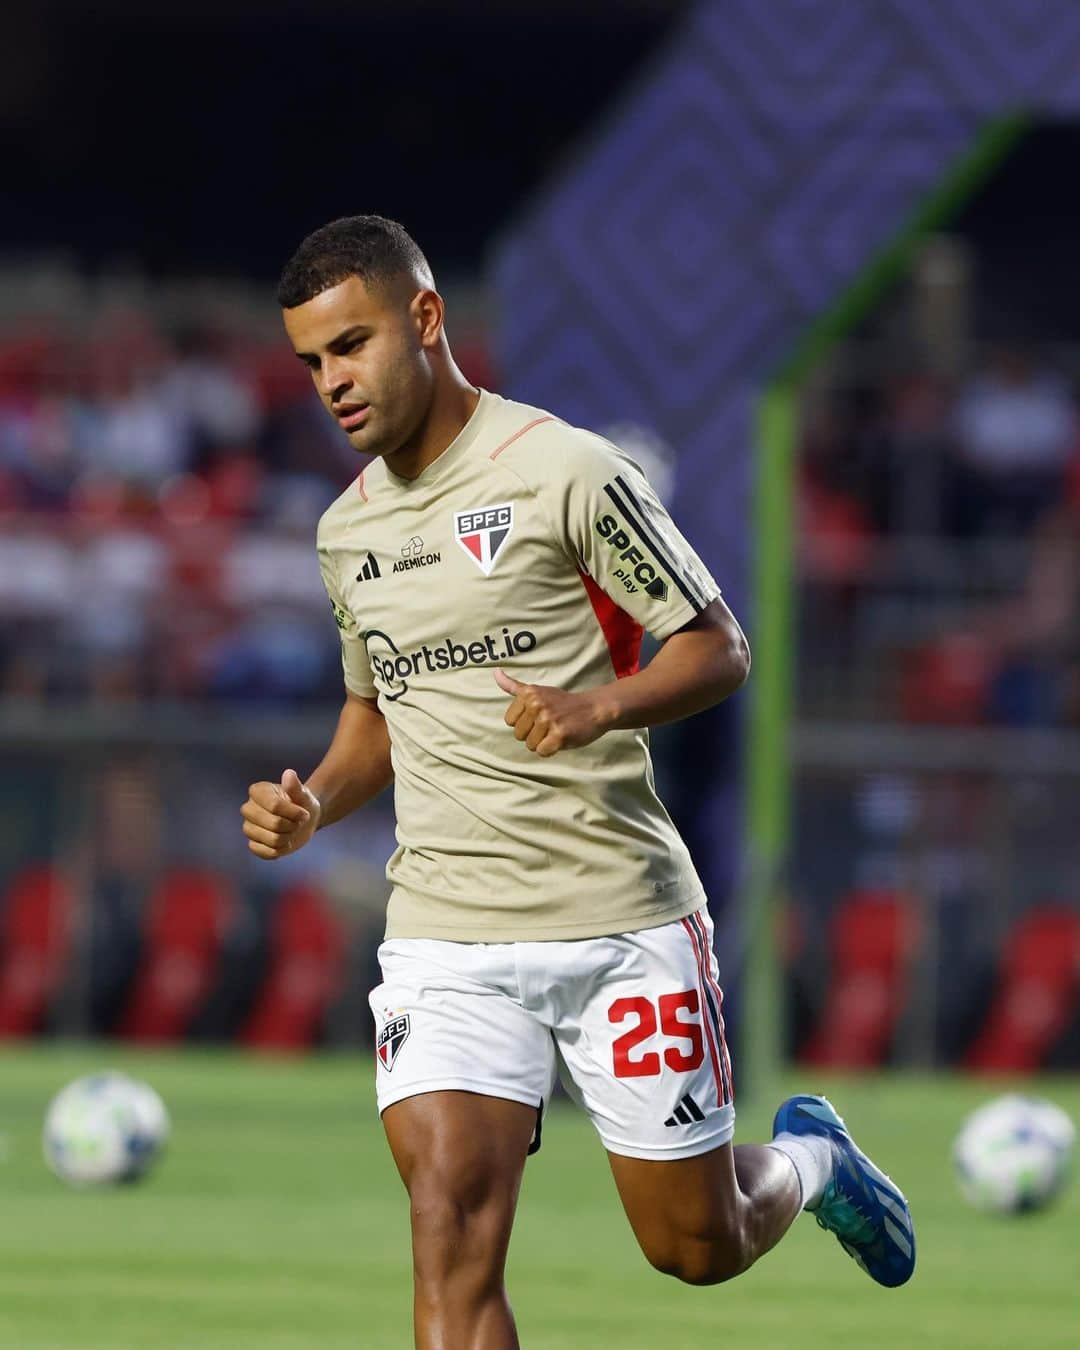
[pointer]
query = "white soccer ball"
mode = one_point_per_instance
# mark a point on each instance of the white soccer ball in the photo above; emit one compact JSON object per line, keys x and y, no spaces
{"x":104,"y":1129}
{"x":1012,"y":1154}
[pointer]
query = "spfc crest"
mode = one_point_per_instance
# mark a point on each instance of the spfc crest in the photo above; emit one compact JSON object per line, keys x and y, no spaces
{"x":483,"y":533}
{"x":390,"y":1039}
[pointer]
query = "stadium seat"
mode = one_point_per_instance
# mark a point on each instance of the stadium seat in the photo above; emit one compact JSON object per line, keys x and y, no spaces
{"x":946,"y":683}
{"x":1036,"y":995}
{"x":186,"y":922}
{"x":36,"y":914}
{"x":307,"y":958}
{"x":872,"y":937}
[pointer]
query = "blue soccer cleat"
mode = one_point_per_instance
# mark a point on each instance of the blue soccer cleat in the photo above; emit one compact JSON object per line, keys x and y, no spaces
{"x":866,"y":1211}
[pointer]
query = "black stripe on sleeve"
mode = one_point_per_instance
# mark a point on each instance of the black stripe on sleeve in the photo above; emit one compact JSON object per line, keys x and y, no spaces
{"x":636,"y":513}
{"x":658,"y":534}
{"x":650,"y":542}
{"x":693,"y":1107}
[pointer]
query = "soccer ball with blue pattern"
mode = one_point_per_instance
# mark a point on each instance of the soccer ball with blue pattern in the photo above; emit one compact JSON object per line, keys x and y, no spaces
{"x":1012,"y":1155}
{"x":104,"y":1129}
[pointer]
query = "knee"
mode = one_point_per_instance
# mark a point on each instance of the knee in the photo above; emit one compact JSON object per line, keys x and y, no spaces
{"x":453,"y":1237}
{"x":708,"y":1257}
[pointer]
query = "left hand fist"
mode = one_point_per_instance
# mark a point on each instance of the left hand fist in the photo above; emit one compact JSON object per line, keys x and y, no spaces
{"x":549,"y":720}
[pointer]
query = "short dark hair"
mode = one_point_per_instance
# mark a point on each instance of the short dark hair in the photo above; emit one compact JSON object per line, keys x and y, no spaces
{"x":372,"y":248}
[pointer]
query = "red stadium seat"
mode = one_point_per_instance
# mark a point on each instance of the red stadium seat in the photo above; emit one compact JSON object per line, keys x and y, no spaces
{"x":946,"y":683}
{"x":36,"y":914}
{"x":872,"y":936}
{"x":186,"y":922}
{"x":1036,"y":993}
{"x":307,"y":961}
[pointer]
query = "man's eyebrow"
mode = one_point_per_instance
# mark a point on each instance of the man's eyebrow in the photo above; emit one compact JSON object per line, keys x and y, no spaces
{"x":355,"y":331}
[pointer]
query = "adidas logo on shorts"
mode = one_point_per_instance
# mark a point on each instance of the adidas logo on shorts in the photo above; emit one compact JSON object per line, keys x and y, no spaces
{"x":686,"y":1111}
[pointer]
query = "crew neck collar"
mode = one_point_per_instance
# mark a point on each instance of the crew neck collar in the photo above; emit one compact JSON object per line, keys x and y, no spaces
{"x":465,"y":438}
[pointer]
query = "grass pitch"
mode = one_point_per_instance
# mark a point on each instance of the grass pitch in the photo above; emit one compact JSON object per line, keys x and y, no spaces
{"x":276,"y":1222}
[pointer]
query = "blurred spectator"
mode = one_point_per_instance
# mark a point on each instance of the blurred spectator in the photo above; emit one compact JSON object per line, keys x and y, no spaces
{"x":1032,"y":642}
{"x":1016,"y":427}
{"x":906,"y":458}
{"x":207,"y":393}
{"x":883,"y":456}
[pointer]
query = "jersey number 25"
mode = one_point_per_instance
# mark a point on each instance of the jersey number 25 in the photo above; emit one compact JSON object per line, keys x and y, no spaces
{"x":675,"y":1057}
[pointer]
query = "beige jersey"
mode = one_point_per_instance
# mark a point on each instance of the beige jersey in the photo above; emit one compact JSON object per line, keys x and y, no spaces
{"x":538,"y":547}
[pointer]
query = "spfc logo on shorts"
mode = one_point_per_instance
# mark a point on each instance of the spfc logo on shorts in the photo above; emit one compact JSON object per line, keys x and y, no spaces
{"x":390,"y":1040}
{"x":483,"y":533}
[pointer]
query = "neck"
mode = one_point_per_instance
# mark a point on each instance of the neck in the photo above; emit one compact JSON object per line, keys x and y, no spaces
{"x":454,"y":402}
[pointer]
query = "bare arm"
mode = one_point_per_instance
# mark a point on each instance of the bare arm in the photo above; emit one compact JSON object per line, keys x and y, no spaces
{"x":356,"y":766}
{"x":280,"y":818}
{"x":695,"y":668}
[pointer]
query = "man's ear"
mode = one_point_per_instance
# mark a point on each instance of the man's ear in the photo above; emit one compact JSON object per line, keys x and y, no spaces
{"x":428,"y":310}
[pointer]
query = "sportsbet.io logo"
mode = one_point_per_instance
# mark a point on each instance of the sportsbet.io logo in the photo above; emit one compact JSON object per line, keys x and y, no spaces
{"x":393,"y":667}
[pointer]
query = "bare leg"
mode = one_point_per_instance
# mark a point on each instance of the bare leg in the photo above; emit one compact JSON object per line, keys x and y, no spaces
{"x":708,"y":1218}
{"x":461,"y":1157}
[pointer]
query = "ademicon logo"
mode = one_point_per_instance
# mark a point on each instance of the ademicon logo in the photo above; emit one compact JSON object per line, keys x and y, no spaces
{"x":393,"y":667}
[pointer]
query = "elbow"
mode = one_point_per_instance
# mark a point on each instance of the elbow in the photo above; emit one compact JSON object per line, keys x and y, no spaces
{"x":730,"y":669}
{"x":737,"y":662}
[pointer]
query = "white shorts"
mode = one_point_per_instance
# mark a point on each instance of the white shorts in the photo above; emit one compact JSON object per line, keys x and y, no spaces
{"x":633,"y":1019}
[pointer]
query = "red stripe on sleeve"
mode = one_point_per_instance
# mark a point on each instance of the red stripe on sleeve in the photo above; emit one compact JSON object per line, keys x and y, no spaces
{"x":621,"y":633}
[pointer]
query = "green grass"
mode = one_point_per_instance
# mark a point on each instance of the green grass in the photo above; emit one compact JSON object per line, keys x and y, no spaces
{"x":277,"y":1222}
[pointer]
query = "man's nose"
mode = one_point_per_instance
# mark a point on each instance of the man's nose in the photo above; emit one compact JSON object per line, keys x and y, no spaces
{"x":336,"y":378}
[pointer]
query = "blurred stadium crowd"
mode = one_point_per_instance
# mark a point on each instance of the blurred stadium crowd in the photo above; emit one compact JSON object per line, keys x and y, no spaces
{"x":159,"y":488}
{"x":935,"y":887}
{"x":941,"y":538}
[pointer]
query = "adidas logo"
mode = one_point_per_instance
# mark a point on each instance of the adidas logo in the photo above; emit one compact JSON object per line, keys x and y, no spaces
{"x":686,"y":1111}
{"x":370,"y":570}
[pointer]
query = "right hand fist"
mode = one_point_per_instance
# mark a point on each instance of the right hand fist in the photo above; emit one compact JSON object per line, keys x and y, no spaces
{"x":279,"y":818}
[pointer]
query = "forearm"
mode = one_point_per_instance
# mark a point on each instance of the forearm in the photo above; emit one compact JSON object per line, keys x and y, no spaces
{"x":694,"y":669}
{"x":697,"y":666}
{"x":356,"y":766}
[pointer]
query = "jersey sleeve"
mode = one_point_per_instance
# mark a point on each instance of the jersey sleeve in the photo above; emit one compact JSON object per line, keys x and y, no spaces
{"x":355,"y":665}
{"x":621,"y":535}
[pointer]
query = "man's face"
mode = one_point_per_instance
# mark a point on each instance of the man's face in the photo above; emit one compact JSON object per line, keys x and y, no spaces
{"x":368,"y":360}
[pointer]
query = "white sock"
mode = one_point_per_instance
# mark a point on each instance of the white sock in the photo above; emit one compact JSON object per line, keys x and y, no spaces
{"x":811,"y":1156}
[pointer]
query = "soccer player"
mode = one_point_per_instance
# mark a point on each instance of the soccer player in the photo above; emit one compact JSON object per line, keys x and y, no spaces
{"x":491,"y":571}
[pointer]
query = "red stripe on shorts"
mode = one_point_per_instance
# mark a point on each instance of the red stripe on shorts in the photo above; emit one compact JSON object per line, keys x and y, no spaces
{"x":718,"y":1017}
{"x":705,"y":1019}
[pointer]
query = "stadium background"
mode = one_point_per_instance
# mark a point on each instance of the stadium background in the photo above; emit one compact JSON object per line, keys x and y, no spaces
{"x":814,"y":266}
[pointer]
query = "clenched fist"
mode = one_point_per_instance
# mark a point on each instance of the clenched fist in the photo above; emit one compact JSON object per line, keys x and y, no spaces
{"x":549,"y":720}
{"x":279,"y":818}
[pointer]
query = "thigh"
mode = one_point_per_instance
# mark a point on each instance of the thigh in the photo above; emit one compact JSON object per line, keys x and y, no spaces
{"x":642,"y":1037}
{"x":461,"y":1152}
{"x":448,"y":1022}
